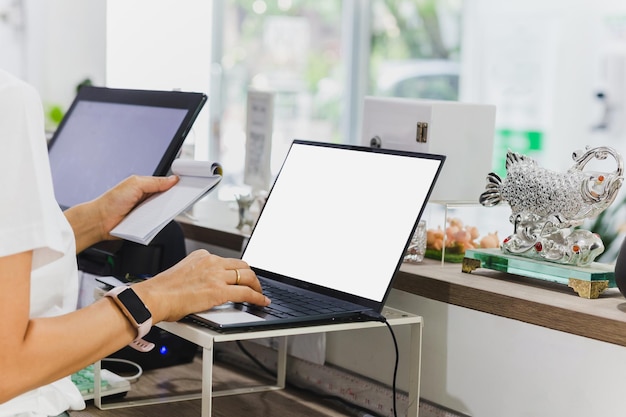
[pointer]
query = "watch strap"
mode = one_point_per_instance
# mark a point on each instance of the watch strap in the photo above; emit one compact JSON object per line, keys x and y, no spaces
{"x":142,"y":345}
{"x":139,"y":343}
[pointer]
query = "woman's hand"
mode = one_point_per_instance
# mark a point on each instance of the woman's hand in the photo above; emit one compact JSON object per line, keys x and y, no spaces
{"x":197,"y":283}
{"x":93,"y":221}
{"x":116,"y":203}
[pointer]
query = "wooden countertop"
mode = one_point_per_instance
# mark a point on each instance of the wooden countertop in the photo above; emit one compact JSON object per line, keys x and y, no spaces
{"x":550,"y":305}
{"x":529,"y":300}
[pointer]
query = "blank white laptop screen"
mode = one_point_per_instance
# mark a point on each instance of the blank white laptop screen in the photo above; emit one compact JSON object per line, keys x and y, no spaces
{"x":341,"y":218}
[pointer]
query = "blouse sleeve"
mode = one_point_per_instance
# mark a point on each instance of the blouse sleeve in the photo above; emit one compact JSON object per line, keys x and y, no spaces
{"x":28,"y":220}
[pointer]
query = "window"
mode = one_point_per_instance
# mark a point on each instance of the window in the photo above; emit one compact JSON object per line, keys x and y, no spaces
{"x":289,"y":47}
{"x":319,"y":57}
{"x":415,"y":49}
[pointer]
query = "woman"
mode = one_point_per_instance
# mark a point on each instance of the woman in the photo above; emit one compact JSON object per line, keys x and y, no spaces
{"x":44,"y":339}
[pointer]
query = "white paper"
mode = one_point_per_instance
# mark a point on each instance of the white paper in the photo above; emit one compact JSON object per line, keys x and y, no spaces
{"x":147,"y":219}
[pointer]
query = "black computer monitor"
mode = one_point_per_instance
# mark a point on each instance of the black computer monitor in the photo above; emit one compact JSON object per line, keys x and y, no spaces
{"x":109,"y":134}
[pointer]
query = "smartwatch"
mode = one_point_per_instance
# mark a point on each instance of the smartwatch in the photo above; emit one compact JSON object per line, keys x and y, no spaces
{"x":137,"y":314}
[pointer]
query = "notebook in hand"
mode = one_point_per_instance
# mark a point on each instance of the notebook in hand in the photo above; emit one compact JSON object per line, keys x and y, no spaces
{"x":196,"y":179}
{"x":334,"y":229}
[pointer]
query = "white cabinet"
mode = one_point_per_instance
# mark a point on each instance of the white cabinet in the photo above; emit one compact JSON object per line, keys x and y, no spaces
{"x":463,"y":132}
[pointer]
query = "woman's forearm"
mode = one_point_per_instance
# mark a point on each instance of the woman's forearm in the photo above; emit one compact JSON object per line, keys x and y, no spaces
{"x":58,"y":346}
{"x":86,"y":224}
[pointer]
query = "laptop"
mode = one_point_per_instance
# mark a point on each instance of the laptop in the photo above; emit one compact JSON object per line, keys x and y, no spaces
{"x":333,"y":230}
{"x":109,"y":134}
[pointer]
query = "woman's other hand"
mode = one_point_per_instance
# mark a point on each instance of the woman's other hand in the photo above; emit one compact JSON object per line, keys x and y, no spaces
{"x":116,"y":203}
{"x":93,"y":221}
{"x":197,"y":283}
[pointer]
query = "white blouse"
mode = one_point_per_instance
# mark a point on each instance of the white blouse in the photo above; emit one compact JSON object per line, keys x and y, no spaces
{"x":30,"y":219}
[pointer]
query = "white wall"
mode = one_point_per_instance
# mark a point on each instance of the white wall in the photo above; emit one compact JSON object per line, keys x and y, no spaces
{"x":142,"y":53}
{"x":488,"y":366}
{"x":12,"y":37}
{"x":65,"y":44}
{"x":62,"y":42}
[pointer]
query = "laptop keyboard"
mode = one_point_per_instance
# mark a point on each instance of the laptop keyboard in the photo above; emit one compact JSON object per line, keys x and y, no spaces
{"x":287,"y":303}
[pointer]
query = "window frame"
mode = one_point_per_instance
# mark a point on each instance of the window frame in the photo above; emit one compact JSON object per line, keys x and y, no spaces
{"x":355,"y":44}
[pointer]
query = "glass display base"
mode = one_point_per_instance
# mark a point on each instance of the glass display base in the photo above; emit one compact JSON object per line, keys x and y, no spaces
{"x":588,"y":281}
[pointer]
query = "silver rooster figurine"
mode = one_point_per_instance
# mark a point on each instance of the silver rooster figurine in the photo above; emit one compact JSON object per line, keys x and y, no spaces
{"x":546,"y":206}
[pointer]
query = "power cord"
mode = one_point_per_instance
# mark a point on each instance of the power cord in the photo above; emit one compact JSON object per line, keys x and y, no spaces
{"x":132,"y":378}
{"x":383,"y":319}
{"x":395,"y":367}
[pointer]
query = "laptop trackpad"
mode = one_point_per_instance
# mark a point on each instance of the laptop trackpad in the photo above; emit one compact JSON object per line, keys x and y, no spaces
{"x":228,"y":315}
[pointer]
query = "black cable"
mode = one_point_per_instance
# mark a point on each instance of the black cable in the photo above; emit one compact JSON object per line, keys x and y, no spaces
{"x":294,"y":386}
{"x":395,"y":368}
{"x":383,"y":319}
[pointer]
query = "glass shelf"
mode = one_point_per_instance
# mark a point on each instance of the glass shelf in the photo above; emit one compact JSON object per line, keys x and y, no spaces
{"x":547,"y":271}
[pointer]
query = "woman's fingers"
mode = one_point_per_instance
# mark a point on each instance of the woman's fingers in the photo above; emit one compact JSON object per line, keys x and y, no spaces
{"x":243,"y":277}
{"x":237,"y":272}
{"x":240,"y":294}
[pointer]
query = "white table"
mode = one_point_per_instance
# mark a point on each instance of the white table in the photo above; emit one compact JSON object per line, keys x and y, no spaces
{"x":206,"y":338}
